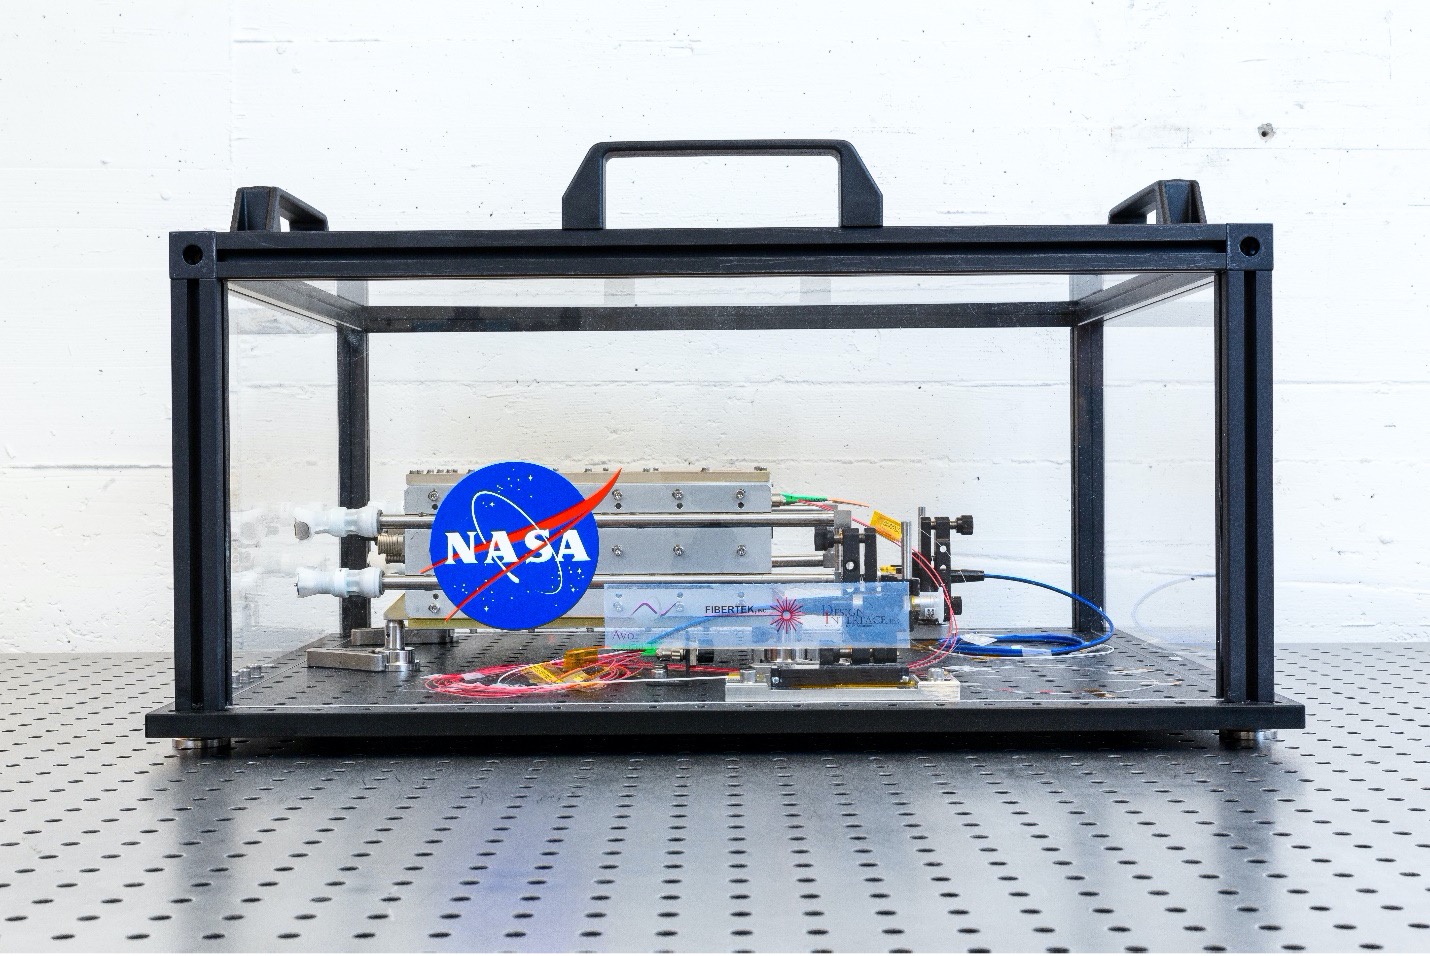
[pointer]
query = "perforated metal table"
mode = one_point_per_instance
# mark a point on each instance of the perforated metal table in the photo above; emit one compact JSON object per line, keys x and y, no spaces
{"x":1318,"y":841}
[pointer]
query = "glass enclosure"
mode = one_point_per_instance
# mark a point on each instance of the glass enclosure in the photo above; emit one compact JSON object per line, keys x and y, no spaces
{"x":1159,"y":377}
{"x":882,"y":418}
{"x":283,"y":437}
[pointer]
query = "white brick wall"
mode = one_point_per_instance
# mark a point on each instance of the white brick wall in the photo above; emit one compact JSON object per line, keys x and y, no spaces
{"x":120,"y":122}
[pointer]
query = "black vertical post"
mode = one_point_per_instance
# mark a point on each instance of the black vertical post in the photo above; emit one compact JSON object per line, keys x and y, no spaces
{"x":1089,"y":564}
{"x":1244,"y":560}
{"x":354,"y":449}
{"x":202,"y":624}
{"x":1262,"y":651}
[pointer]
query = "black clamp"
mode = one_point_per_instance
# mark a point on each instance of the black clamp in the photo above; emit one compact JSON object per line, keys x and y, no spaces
{"x":936,"y":545}
{"x":858,"y":554}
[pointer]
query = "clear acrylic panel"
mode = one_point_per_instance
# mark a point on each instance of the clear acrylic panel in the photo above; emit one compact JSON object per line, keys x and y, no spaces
{"x":956,"y":421}
{"x":1159,"y":377}
{"x":959,"y":421}
{"x":283,"y":441}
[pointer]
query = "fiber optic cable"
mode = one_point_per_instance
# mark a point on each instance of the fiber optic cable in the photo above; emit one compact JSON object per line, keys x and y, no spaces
{"x":1011,"y":645}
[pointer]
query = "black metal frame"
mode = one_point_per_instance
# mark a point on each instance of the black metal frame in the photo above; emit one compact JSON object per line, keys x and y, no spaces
{"x":1171,"y":256}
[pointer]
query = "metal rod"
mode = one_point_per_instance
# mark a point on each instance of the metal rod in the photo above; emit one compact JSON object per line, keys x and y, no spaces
{"x":410,"y":582}
{"x":785,"y":577}
{"x":906,"y":548}
{"x":387,"y":522}
{"x":815,"y":560}
{"x":785,"y":518}
{"x":428,"y":582}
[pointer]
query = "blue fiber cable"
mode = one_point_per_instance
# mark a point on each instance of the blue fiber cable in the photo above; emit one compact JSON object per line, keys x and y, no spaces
{"x":1060,"y":643}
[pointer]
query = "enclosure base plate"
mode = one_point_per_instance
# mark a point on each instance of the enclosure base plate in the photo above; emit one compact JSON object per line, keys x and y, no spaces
{"x":1127,"y":684}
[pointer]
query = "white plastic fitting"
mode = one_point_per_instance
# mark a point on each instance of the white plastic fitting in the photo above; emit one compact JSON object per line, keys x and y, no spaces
{"x":338,"y":522}
{"x":343,"y":582}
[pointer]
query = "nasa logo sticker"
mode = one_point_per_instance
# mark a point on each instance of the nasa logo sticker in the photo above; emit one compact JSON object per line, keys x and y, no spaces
{"x":514,"y":544}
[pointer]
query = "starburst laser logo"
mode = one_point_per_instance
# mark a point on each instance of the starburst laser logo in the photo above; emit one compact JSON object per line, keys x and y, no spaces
{"x":788,"y":614}
{"x":513,"y":544}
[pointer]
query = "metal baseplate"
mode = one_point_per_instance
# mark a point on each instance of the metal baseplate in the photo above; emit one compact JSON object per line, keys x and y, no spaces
{"x":376,"y":659}
{"x":374,"y":649}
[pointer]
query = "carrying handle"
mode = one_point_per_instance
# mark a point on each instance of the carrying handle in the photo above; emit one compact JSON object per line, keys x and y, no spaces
{"x":1173,"y":200}
{"x":583,"y":206}
{"x":263,"y":209}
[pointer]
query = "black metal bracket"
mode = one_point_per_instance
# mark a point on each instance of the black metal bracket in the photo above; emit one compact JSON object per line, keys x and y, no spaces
{"x":849,"y":554}
{"x":927,"y":582}
{"x":936,"y":545}
{"x":942,"y":558}
{"x":583,"y":206}
{"x":858,"y":554}
{"x":1173,"y":200}
{"x":871,"y":553}
{"x":263,"y":209}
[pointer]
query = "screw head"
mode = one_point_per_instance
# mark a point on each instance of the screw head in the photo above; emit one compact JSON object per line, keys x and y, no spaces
{"x":616,"y":550}
{"x":739,"y":494}
{"x":678,"y":550}
{"x":616,"y":495}
{"x":677,"y":494}
{"x":740,"y":551}
{"x":434,"y":608}
{"x":433,"y":495}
